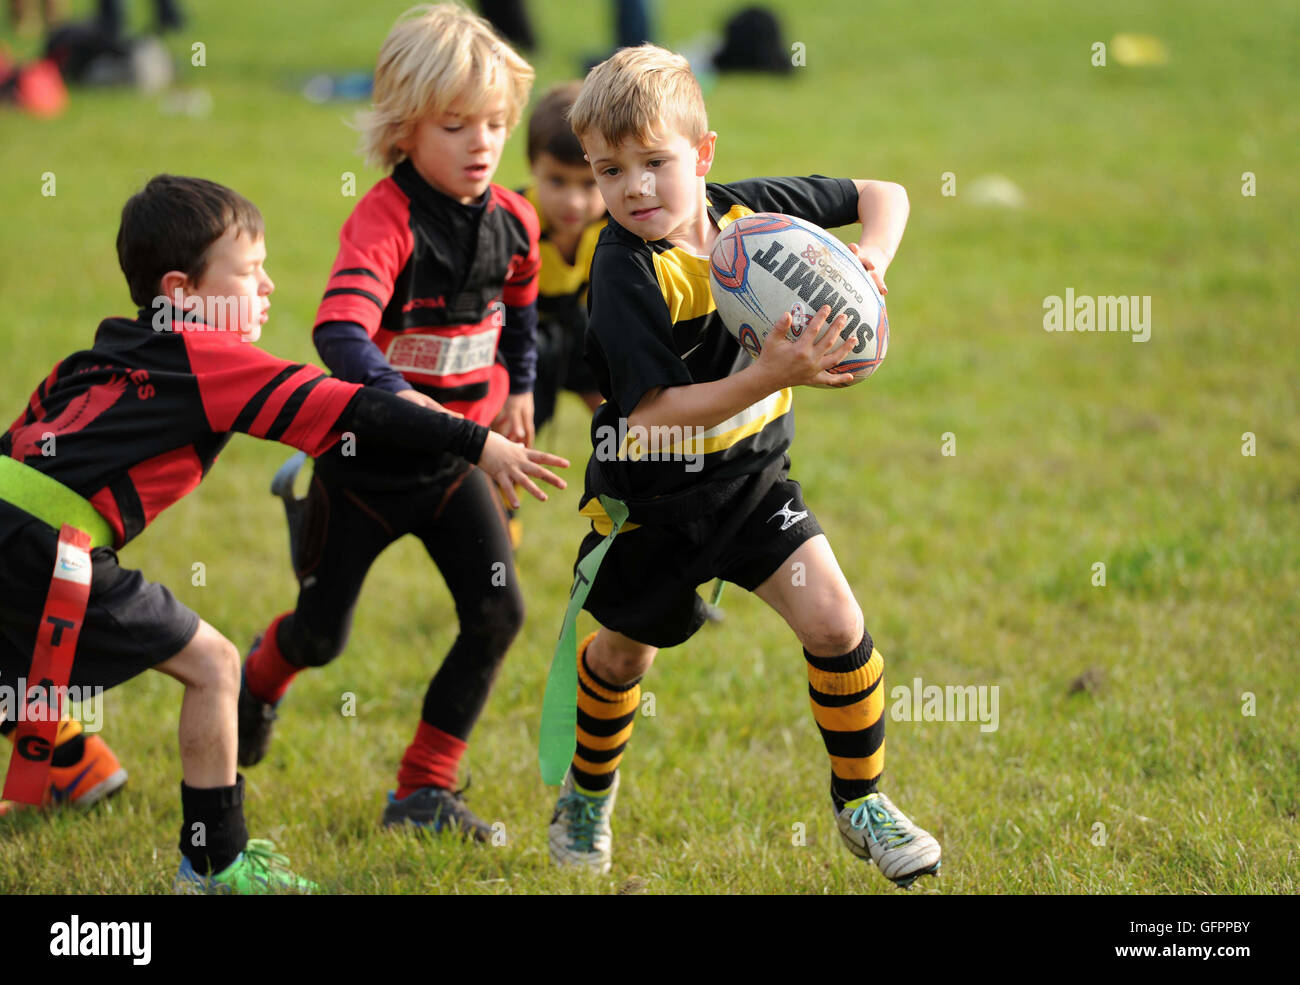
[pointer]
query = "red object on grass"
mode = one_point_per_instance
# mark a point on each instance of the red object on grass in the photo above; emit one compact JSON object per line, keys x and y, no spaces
{"x":41,"y":90}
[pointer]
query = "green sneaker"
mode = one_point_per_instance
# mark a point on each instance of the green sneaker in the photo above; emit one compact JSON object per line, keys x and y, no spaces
{"x":259,"y":870}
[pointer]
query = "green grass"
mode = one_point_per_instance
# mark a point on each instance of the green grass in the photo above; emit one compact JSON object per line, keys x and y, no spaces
{"x":974,"y":568}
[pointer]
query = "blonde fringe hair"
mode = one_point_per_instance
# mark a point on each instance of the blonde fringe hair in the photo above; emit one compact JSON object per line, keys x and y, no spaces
{"x":635,"y":92}
{"x":433,"y":56}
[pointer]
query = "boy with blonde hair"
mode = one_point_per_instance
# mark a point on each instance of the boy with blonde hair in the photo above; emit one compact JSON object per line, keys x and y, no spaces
{"x":433,"y":297}
{"x":664,"y":359}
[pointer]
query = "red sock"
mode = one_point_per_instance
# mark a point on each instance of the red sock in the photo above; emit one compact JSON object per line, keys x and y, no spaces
{"x":267,"y":672}
{"x":430,"y":761}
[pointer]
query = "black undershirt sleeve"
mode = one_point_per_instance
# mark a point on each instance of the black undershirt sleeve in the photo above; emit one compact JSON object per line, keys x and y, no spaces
{"x":379,"y":416}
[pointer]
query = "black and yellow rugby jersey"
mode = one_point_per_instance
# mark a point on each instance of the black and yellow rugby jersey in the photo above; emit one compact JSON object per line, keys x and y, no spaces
{"x":562,"y":286}
{"x":653,"y":323}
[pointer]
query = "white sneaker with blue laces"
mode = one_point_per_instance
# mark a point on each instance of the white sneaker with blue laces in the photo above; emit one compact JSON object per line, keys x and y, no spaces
{"x":875,"y":829}
{"x":580,"y":834}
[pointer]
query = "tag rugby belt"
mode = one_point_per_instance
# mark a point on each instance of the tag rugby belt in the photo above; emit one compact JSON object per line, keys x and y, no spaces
{"x":557,"y":738}
{"x":80,"y":528}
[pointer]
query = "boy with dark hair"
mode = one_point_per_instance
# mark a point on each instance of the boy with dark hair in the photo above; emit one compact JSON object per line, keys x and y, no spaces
{"x":433,"y":297}
{"x":667,"y":364}
{"x":116,"y":434}
{"x":572,"y":214}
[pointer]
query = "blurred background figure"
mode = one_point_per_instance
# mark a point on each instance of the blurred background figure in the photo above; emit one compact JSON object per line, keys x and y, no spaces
{"x":167,"y":16}
{"x":30,"y":17}
{"x":511,"y":21}
{"x":97,"y":51}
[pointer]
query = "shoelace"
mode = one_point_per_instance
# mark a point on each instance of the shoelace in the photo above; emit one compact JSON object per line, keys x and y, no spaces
{"x":264,"y":860}
{"x":584,"y":816}
{"x":880,"y":824}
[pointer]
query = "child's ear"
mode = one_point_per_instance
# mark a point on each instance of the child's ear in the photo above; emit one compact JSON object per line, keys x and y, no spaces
{"x":704,"y":153}
{"x":174,"y":281}
{"x":403,"y":139}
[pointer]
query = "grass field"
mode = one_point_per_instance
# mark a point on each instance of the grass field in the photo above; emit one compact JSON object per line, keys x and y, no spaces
{"x":973,"y":568}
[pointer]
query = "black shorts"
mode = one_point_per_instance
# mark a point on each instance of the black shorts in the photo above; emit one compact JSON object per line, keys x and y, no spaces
{"x":131,"y":624}
{"x":646,"y":586}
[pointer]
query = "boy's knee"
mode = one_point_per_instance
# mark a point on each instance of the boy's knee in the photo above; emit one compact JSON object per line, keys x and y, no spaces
{"x":506,"y":613}
{"x":498,"y":617}
{"x":216,"y":664}
{"x":834,"y":631}
{"x":316,"y":650}
{"x":619,"y":662}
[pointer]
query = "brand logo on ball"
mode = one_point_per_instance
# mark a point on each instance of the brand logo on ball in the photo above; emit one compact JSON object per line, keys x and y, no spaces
{"x":767,"y":264}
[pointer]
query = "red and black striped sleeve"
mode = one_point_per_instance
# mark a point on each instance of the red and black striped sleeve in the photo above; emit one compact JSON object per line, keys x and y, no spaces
{"x":521,"y":275}
{"x":244,"y":388}
{"x":374,"y":246}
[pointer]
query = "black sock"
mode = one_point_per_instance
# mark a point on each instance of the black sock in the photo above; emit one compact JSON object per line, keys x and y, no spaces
{"x":212,"y":830}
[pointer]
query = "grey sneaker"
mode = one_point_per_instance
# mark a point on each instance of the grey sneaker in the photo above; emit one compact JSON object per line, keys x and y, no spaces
{"x":876,"y":830}
{"x":435,"y":810}
{"x":580,"y":833}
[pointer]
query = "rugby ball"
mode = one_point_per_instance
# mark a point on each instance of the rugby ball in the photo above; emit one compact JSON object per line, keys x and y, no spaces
{"x":766,"y":264}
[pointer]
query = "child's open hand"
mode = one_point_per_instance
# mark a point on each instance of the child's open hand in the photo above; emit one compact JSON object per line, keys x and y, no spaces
{"x":510,"y":464}
{"x":875,"y":262}
{"x":801,"y":361}
{"x":516,"y":419}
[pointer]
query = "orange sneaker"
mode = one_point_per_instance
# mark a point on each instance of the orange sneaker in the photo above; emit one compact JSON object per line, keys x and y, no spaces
{"x":97,"y":775}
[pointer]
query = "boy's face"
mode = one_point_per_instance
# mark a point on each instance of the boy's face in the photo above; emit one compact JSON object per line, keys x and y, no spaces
{"x":567,"y":194}
{"x":458,"y":152}
{"x":653,"y":189}
{"x":234,"y":288}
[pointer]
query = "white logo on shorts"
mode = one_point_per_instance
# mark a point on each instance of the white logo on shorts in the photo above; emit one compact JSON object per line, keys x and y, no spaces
{"x":789,"y":517}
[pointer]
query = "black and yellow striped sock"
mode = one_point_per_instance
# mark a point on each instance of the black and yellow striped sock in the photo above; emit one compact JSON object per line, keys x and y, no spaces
{"x":606,"y":714}
{"x":848,"y":701}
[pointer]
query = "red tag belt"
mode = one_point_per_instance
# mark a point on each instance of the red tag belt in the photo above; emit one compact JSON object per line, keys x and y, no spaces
{"x":41,"y":708}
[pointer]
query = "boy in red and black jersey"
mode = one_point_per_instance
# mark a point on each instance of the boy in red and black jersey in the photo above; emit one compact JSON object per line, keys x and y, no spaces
{"x":118,"y":432}
{"x":433,"y":297}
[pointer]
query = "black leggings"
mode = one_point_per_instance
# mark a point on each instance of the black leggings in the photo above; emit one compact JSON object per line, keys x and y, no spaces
{"x":463,"y":528}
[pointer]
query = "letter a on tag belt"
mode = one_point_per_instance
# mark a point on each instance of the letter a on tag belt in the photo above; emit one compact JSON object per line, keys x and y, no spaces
{"x":56,"y":644}
{"x":559,"y":736}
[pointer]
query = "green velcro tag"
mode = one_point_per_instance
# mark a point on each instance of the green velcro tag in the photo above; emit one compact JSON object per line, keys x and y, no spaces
{"x":51,"y":501}
{"x":559,"y":739}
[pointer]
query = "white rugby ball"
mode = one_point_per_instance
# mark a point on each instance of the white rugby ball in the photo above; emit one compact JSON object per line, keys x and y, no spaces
{"x":766,"y":264}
